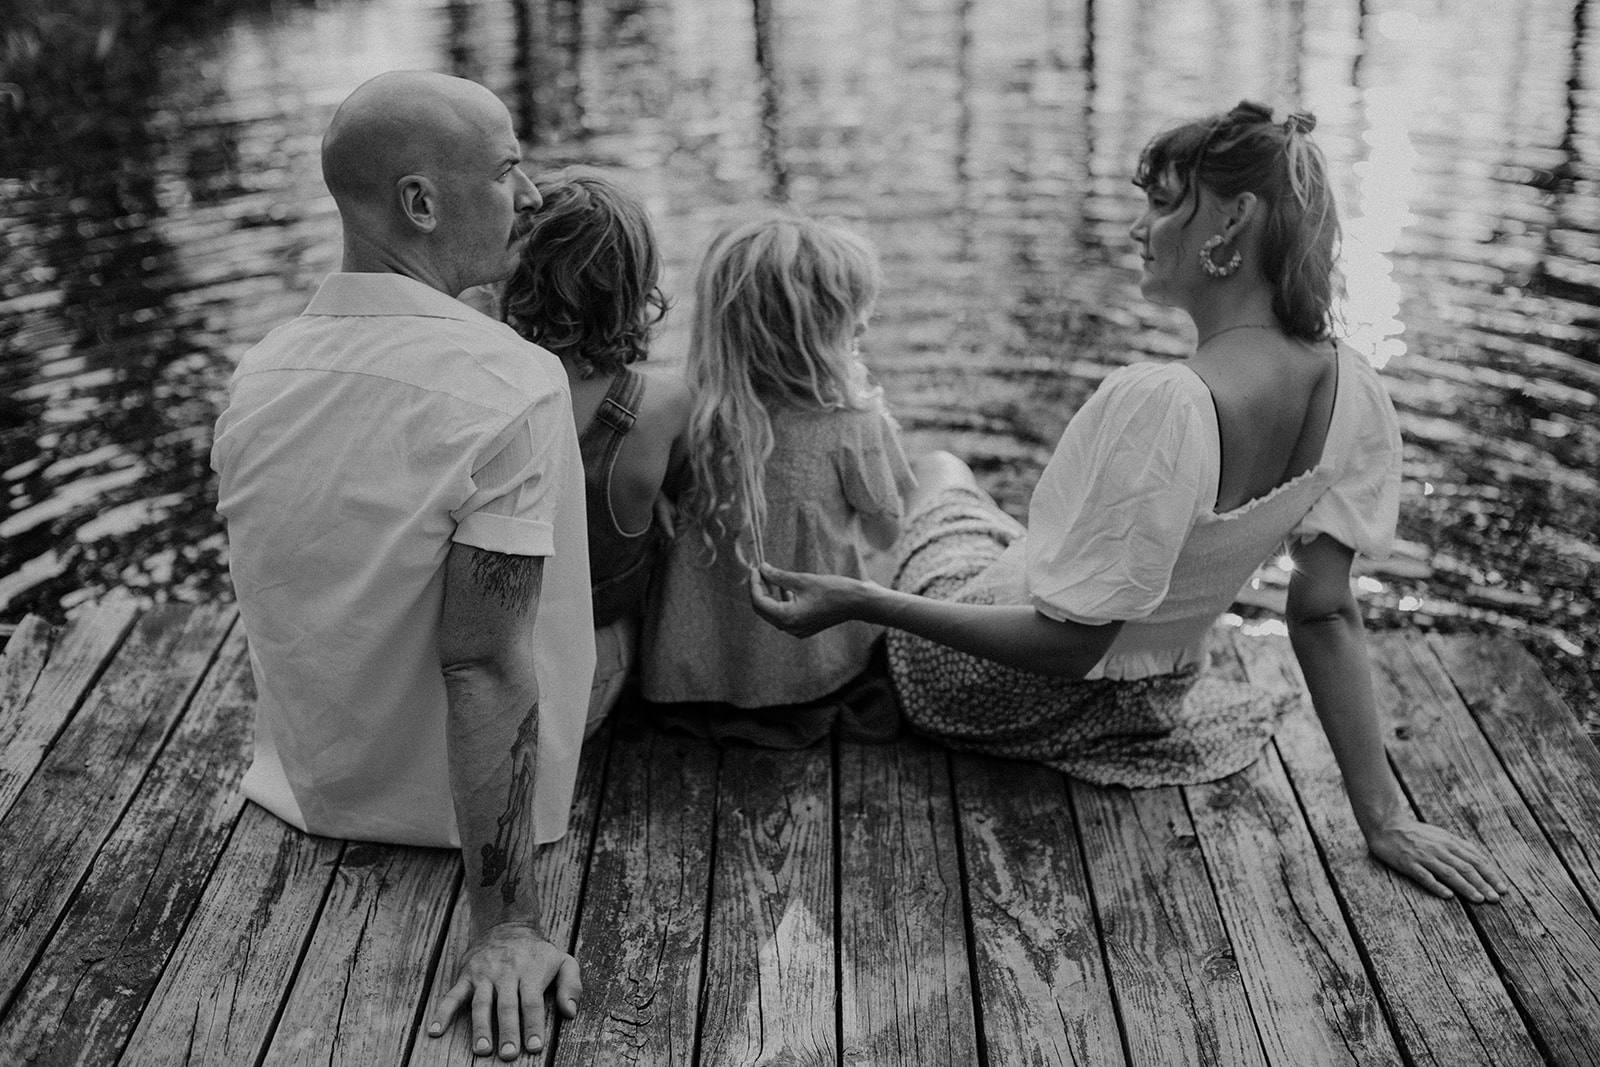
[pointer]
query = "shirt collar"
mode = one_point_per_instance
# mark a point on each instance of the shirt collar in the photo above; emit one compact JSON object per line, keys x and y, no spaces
{"x":387,"y":294}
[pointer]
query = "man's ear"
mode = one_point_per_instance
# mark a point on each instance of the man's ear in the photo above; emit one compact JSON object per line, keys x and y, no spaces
{"x":419,"y":201}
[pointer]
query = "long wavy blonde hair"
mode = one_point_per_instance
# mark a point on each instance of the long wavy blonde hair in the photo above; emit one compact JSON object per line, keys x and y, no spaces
{"x":779,"y":305}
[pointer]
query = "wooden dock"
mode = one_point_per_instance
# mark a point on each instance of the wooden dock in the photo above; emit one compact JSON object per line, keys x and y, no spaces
{"x":850,"y":904}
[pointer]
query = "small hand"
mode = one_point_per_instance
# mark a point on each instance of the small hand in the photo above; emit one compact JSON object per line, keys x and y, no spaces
{"x":801,"y":604}
{"x":1438,"y":860}
{"x":505,"y":972}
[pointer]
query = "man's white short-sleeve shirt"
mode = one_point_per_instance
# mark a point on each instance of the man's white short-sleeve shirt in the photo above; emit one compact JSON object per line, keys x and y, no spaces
{"x":361,"y":441}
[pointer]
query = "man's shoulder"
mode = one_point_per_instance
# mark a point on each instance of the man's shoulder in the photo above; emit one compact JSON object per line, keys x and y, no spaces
{"x":471,"y":358}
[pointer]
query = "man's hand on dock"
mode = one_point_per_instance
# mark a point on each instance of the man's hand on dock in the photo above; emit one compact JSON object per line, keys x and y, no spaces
{"x":505,"y":973}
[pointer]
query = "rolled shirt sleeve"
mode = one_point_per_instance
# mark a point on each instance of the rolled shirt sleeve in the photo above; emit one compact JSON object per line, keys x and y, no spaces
{"x":512,"y":507}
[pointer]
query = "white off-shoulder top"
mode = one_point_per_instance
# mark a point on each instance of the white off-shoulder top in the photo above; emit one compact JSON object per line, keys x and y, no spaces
{"x":1123,"y":526}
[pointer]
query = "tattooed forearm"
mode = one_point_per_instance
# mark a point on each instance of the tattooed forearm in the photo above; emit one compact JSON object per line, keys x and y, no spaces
{"x":512,"y":849}
{"x":513,"y":581}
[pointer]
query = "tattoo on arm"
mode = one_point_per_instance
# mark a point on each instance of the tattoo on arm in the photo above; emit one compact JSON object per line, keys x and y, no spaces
{"x":514,"y":581}
{"x":512,"y":849}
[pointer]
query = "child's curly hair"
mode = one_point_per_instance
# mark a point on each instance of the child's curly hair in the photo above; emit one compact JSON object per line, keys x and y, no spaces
{"x":588,"y":284}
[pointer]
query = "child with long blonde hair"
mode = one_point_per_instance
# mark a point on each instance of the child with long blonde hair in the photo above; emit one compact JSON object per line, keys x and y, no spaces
{"x":793,"y":459}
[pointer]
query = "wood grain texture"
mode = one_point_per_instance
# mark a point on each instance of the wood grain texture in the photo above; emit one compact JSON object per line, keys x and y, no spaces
{"x":1309,"y":994}
{"x":84,"y":998}
{"x":23,"y":660}
{"x":769,"y":990}
{"x":1042,"y":984}
{"x":1543,"y":935}
{"x":557,"y":880}
{"x":1439,"y":987}
{"x":356,"y":997}
{"x":1554,"y":763}
{"x":35,"y":710}
{"x":52,"y":833}
{"x":642,"y":923}
{"x":906,"y":986}
{"x":1177,"y":984}
{"x":218,"y":998}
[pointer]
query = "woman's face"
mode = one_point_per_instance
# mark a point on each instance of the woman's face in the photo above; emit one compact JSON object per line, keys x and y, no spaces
{"x":1168,"y":243}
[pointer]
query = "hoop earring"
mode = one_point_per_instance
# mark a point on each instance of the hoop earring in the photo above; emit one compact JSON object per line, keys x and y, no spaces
{"x":1212,"y":268}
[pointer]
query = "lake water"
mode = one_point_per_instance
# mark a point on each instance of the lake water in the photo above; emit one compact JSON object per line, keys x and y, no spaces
{"x":163,"y":209}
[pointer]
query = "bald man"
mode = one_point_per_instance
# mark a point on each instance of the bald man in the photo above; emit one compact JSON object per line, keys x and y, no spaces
{"x":404,"y":499}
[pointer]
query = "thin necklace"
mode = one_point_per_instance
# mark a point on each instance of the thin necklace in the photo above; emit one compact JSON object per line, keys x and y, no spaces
{"x":1229,"y":329}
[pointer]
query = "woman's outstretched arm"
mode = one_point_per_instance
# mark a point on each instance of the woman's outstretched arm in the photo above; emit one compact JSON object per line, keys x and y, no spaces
{"x":1330,"y":644}
{"x":1013,"y":635}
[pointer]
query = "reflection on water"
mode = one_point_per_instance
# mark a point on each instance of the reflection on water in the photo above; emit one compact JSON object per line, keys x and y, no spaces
{"x":163,"y":209}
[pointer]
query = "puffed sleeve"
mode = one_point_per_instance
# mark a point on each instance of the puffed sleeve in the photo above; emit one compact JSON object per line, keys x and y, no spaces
{"x":873,"y":469}
{"x":1110,"y":514}
{"x":1361,"y":507}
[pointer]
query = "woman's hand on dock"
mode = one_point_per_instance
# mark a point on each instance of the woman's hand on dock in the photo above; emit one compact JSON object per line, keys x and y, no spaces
{"x":505,"y":973}
{"x":802,"y":604}
{"x":1442,"y":863}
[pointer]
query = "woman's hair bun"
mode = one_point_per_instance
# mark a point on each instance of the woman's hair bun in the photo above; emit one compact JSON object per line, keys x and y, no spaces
{"x":1250,"y":111}
{"x":1300,"y":122}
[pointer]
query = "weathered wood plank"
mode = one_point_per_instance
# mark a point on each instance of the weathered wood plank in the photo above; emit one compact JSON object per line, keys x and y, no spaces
{"x":1042,"y":984}
{"x":642,"y":923}
{"x":1546,"y":751}
{"x":1542,"y":934}
{"x":26,"y":650}
{"x":218,"y":999}
{"x":1440,"y":989}
{"x":30,"y":720}
{"x":769,"y":991}
{"x":356,"y":997}
{"x":67,"y":809}
{"x":1308,"y":991}
{"x":84,"y":998}
{"x":906,"y":985}
{"x":1173,"y":972}
{"x":557,"y":881}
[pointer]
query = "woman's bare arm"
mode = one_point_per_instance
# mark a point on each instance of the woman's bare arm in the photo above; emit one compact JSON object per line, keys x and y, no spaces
{"x":1013,"y":635}
{"x":1330,"y":644}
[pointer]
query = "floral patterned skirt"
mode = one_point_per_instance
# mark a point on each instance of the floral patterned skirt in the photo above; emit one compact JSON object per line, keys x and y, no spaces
{"x":1168,"y":729}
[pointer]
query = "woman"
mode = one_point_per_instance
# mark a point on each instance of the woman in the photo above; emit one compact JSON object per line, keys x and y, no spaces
{"x":1079,"y":644}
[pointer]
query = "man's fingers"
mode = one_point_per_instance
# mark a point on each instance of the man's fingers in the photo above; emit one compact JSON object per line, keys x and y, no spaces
{"x":569,"y":987}
{"x":445,"y":1008}
{"x":534,"y":1023}
{"x":508,"y":1016}
{"x":482,"y":1009}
